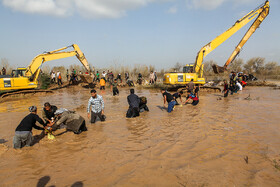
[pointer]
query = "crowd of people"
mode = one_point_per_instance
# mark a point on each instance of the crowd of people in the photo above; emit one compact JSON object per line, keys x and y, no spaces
{"x":237,"y":81}
{"x":172,"y":100}
{"x":102,"y":78}
{"x":54,"y":118}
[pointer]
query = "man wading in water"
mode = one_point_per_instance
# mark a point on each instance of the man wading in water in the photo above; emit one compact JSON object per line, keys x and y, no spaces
{"x":133,"y":101}
{"x":96,"y":104}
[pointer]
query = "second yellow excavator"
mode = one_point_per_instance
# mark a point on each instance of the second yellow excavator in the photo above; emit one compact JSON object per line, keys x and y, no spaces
{"x":195,"y":71}
{"x":27,"y":78}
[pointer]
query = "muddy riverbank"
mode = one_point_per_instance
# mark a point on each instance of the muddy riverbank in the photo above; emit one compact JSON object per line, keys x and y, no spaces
{"x":220,"y":142}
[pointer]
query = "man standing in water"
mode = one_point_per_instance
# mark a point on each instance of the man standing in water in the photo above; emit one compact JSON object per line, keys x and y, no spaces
{"x":96,"y":106}
{"x":226,"y":88}
{"x":114,"y":88}
{"x":167,"y":97}
{"x":23,"y":135}
{"x":133,"y":101}
{"x":190,"y":86}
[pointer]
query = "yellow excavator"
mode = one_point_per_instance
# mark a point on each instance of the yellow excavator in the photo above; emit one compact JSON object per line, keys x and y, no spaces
{"x":195,"y":71}
{"x":27,"y":78}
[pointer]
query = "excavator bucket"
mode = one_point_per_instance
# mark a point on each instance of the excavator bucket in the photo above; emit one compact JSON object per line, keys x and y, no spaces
{"x":87,"y":79}
{"x":218,"y":69}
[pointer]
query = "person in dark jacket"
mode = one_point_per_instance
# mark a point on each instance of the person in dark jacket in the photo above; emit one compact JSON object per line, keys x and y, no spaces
{"x":226,"y":88}
{"x":196,"y":90}
{"x":23,"y":135}
{"x":48,"y":112}
{"x":178,"y":95}
{"x":167,"y":97}
{"x":114,"y":88}
{"x":143,"y":104}
{"x":133,"y":101}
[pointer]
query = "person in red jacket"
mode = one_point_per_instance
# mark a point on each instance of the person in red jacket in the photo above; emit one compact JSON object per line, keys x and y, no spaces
{"x":192,"y":97}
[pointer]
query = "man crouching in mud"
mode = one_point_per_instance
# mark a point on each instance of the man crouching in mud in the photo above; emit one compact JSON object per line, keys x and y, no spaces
{"x":96,"y":104}
{"x":74,"y":122}
{"x":23,"y":135}
{"x":48,"y":112}
{"x":167,"y":97}
{"x":193,"y":97}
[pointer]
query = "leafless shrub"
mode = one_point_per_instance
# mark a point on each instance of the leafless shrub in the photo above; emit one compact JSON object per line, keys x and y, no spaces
{"x":236,"y":65}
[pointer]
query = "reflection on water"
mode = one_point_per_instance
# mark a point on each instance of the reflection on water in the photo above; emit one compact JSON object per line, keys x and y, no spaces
{"x":201,"y":145}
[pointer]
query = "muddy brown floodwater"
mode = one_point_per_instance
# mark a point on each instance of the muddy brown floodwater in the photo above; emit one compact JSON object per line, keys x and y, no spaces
{"x":219,"y":142}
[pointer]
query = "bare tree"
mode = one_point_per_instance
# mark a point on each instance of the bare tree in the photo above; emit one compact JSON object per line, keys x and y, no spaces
{"x":270,"y":66}
{"x":249,"y":66}
{"x":236,"y":65}
{"x":5,"y":63}
{"x":177,"y":67}
{"x":255,"y":65}
{"x":208,"y":67}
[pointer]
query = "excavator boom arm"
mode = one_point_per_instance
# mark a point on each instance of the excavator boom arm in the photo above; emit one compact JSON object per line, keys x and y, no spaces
{"x":248,"y":34}
{"x":54,"y":55}
{"x":205,"y":50}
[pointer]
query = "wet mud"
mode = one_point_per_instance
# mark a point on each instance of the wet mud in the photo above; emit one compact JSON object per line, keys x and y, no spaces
{"x":232,"y":141}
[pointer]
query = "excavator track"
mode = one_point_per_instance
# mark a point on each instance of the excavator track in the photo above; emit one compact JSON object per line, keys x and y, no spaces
{"x":24,"y":92}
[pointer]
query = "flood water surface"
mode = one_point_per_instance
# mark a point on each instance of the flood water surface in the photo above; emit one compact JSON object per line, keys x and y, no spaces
{"x":220,"y":142}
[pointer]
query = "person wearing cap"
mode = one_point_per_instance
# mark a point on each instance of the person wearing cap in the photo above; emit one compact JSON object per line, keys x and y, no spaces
{"x":74,"y":122}
{"x":96,"y":107}
{"x":23,"y":135}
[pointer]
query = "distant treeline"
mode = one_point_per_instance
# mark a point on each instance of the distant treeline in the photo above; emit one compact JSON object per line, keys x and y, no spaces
{"x":256,"y":66}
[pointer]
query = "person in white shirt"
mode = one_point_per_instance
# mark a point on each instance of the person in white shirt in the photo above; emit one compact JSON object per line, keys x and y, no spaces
{"x":239,"y":86}
{"x":104,"y":74}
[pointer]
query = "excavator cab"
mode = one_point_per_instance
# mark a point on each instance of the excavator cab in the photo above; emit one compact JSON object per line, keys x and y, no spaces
{"x":188,"y":68}
{"x":19,"y":72}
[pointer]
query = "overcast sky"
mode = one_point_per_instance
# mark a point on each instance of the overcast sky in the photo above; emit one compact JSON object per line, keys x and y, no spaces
{"x":127,"y":32}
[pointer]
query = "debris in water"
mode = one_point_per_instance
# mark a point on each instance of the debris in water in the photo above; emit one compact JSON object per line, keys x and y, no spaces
{"x":246,"y":158}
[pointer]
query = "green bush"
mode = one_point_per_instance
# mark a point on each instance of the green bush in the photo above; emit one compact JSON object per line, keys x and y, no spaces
{"x":45,"y":81}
